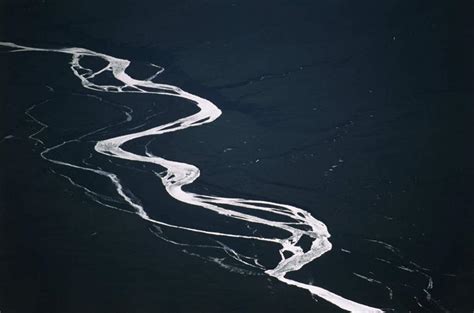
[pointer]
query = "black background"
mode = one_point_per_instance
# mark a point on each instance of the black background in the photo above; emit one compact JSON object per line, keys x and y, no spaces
{"x":383,"y":86}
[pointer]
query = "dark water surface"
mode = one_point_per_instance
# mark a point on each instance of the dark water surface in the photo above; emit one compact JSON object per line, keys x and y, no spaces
{"x":359,"y":113}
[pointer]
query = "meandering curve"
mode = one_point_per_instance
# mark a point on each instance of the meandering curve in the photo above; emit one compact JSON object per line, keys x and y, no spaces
{"x":179,"y":174}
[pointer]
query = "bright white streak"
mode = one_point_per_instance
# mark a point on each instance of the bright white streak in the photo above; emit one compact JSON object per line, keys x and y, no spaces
{"x":180,"y":174}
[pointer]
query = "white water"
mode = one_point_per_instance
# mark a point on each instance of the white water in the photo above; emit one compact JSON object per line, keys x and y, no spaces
{"x":179,"y":174}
